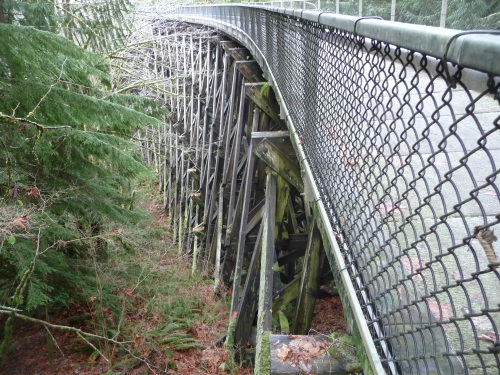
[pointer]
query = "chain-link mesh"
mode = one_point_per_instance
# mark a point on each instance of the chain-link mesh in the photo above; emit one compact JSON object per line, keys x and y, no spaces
{"x":405,"y":161}
{"x":455,"y":14}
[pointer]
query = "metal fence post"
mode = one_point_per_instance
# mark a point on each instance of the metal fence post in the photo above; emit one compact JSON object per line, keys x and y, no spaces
{"x":393,"y":10}
{"x":360,"y":13}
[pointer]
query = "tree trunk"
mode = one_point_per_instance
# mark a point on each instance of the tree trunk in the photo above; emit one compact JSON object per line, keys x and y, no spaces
{"x":3,"y":12}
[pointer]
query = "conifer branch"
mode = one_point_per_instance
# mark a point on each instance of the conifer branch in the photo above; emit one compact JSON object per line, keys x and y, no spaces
{"x":32,"y":112}
{"x":60,"y":327}
{"x":20,"y":121}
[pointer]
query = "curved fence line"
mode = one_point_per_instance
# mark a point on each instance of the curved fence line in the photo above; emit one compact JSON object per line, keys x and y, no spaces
{"x":399,"y":125}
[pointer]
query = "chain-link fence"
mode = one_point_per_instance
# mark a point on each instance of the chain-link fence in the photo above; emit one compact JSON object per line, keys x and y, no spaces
{"x":404,"y":149}
{"x":456,"y":14}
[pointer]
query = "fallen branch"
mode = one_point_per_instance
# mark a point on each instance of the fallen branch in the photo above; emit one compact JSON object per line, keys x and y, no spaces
{"x":60,"y":327}
{"x":82,"y":334}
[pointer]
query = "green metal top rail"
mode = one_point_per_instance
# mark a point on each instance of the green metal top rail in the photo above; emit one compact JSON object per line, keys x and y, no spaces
{"x":475,"y":49}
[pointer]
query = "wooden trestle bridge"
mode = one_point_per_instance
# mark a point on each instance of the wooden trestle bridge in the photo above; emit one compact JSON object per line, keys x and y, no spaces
{"x":234,"y":188}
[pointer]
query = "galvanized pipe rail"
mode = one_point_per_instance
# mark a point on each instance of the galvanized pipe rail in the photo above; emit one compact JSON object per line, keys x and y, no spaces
{"x":397,"y":131}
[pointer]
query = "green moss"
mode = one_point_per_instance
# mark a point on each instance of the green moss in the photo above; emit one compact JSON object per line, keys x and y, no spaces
{"x":263,"y":355}
{"x":344,"y":348}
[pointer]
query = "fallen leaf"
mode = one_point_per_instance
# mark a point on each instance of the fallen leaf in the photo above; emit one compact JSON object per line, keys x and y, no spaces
{"x":137,"y":341}
{"x":33,"y":192}
{"x":486,"y":238}
{"x":20,"y":223}
{"x":301,"y":350}
{"x":490,"y":337}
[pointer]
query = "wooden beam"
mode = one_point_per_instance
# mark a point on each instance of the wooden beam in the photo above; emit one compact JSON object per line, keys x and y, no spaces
{"x":310,"y":281}
{"x":282,"y":201}
{"x":250,"y":70}
{"x":286,"y":295}
{"x":255,"y":216}
{"x":267,"y":102}
{"x":271,"y":134}
{"x":280,"y":163}
{"x":291,"y":256}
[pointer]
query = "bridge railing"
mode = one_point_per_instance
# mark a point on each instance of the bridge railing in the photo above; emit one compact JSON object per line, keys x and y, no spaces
{"x":400,"y":129}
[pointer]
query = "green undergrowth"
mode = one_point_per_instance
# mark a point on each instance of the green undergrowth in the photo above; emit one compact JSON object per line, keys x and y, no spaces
{"x":143,"y":294}
{"x":148,"y":296}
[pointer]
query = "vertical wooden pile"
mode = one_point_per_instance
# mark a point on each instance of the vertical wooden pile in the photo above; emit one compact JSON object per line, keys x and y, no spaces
{"x":233,"y":185}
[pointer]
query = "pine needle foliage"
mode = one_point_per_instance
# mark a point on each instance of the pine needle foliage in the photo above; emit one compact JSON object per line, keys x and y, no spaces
{"x":99,"y":26}
{"x":29,"y":54}
{"x":67,"y":164}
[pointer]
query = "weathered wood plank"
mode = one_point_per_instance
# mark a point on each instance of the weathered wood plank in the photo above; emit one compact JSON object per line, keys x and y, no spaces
{"x":282,"y":201}
{"x":250,"y":70}
{"x":255,"y":216}
{"x":247,"y":307}
{"x":241,"y":230}
{"x":267,"y":102}
{"x":280,"y":163}
{"x":236,"y":155}
{"x":271,"y":134}
{"x":286,"y":295}
{"x":264,"y":312}
{"x":292,"y":215}
{"x":291,"y":256}
{"x":310,"y":281}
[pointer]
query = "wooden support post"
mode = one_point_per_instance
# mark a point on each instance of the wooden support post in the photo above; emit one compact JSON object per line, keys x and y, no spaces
{"x":282,"y":202}
{"x":218,"y":250}
{"x":241,"y":226}
{"x":236,"y":154}
{"x":238,"y":269}
{"x":293,"y":216}
{"x":247,"y":307}
{"x":264,"y":313}
{"x":310,"y":281}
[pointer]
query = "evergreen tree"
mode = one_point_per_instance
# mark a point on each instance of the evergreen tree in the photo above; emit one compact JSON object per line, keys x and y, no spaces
{"x":66,"y":161}
{"x":100,"y":26}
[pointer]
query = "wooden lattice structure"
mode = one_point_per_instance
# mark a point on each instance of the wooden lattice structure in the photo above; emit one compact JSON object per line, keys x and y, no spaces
{"x":231,"y":180}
